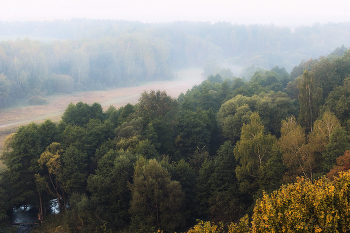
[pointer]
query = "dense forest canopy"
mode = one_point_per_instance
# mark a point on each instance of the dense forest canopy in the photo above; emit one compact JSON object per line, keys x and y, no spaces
{"x":228,"y":149}
{"x":62,"y":56}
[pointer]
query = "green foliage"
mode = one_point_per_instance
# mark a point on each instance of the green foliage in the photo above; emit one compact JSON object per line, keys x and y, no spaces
{"x":156,"y":199}
{"x":81,"y":113}
{"x":232,"y":115}
{"x":272,"y":108}
{"x":310,"y":97}
{"x":74,"y":170}
{"x":109,"y":188}
{"x":338,"y":102}
{"x":80,"y":216}
{"x":112,"y":115}
{"x":320,"y":137}
{"x":164,"y":129}
{"x":155,"y":104}
{"x":193,"y":131}
{"x":97,"y":133}
{"x":147,"y":149}
{"x":21,"y":156}
{"x":219,"y":78}
{"x":339,"y":142}
{"x":224,"y":201}
{"x":338,"y":52}
{"x":49,"y":133}
{"x":3,"y":207}
{"x":183,"y":173}
{"x":253,"y":151}
{"x":129,"y":129}
{"x":157,"y":165}
{"x":128,"y":135}
{"x":302,"y":67}
{"x":273,"y":80}
{"x":76,"y":136}
{"x":126,"y":113}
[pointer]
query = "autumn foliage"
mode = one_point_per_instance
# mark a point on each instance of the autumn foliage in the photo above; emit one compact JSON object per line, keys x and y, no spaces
{"x":304,"y":206}
{"x":343,"y":164}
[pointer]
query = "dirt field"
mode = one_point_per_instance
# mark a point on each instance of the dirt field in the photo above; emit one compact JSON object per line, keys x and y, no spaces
{"x":12,"y":118}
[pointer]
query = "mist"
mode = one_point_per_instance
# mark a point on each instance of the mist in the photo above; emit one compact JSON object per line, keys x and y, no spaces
{"x":283,"y":13}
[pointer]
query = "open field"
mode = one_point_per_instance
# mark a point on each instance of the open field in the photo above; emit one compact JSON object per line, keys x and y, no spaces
{"x":12,"y":118}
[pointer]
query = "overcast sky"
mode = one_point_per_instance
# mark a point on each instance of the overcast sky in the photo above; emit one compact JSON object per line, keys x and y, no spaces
{"x":278,"y":12}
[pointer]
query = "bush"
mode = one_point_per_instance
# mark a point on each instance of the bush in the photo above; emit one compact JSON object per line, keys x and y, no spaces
{"x":37,"y":100}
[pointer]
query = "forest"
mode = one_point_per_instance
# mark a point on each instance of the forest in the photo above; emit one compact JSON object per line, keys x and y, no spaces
{"x":268,"y":154}
{"x":40,"y":58}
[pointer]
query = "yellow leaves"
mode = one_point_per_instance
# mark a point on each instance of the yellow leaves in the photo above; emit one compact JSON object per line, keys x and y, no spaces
{"x":51,"y":158}
{"x":206,"y":227}
{"x":318,"y":229}
{"x":305,"y":206}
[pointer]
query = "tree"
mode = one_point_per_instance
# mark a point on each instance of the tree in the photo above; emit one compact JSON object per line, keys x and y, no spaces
{"x":325,"y":74}
{"x":339,"y":142}
{"x":305,"y":206}
{"x":232,"y":115}
{"x":253,"y":152}
{"x":193,"y":131}
{"x":4,"y":90}
{"x":155,"y":104}
{"x":225,"y":202}
{"x":97,"y":133}
{"x":207,"y":98}
{"x":156,"y":199}
{"x":128,"y":135}
{"x":338,"y":102}
{"x":22,"y":152}
{"x":80,"y":66}
{"x":272,"y":109}
{"x":319,"y":138}
{"x":81,"y":113}
{"x":309,"y":99}
{"x":291,"y":144}
{"x":51,"y":163}
{"x":183,"y":173}
{"x":74,"y":170}
{"x":76,"y":136}
{"x":109,"y":188}
{"x":49,"y":133}
{"x":343,"y":164}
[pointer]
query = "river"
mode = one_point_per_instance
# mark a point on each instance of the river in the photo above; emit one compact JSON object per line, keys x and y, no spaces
{"x":29,"y":214}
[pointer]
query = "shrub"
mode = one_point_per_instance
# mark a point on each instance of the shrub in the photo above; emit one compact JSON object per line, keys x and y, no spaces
{"x":37,"y":100}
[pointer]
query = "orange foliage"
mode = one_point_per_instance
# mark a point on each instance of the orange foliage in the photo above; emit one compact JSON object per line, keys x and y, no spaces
{"x":343,"y":164}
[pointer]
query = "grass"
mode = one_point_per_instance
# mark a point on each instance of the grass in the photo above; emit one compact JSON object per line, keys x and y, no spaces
{"x":51,"y":224}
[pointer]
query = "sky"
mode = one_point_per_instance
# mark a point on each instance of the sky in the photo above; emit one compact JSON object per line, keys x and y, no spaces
{"x":277,"y":12}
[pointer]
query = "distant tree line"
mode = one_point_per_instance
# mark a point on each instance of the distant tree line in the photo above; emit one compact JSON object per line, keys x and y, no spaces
{"x":219,"y":152}
{"x":81,"y":54}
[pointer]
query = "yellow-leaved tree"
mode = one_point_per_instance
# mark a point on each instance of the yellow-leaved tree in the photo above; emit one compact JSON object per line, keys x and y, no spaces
{"x":321,"y":205}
